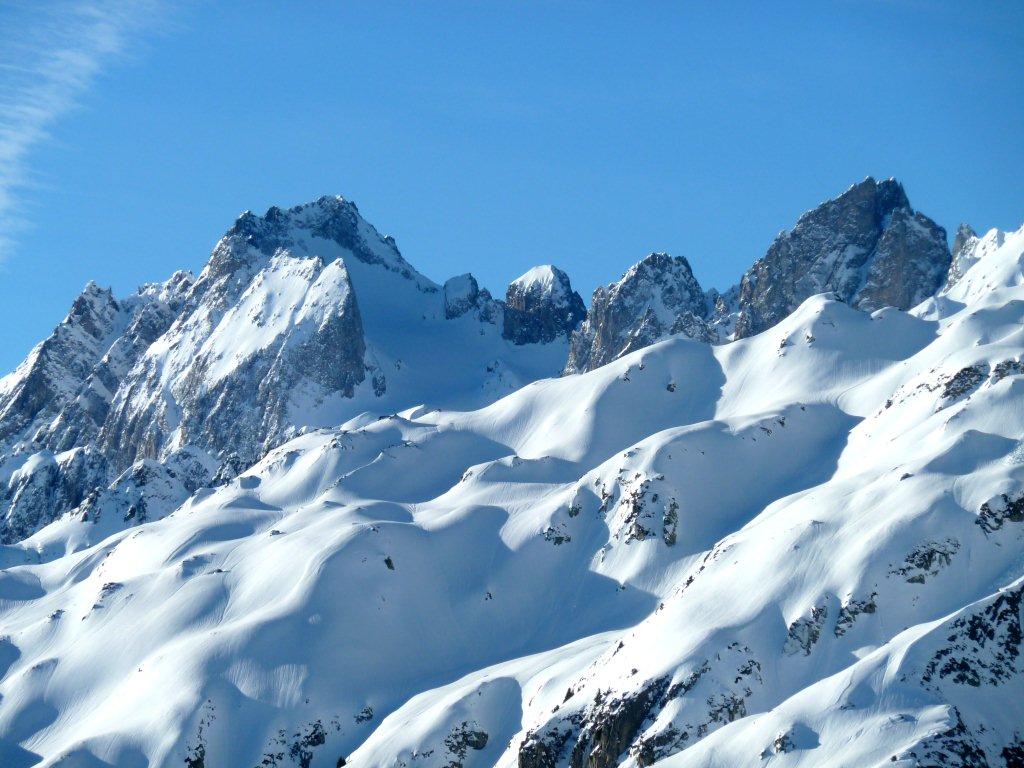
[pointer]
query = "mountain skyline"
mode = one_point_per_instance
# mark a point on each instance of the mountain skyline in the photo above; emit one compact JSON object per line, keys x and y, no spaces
{"x":582,"y":385}
{"x":592,"y":140}
{"x":310,"y":508}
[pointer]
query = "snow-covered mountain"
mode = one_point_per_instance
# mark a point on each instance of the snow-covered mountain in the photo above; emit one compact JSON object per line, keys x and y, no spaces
{"x":867,"y":246}
{"x":302,"y":318}
{"x":313,"y":509}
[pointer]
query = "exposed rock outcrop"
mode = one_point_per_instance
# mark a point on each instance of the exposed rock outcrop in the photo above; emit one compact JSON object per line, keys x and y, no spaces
{"x":969,"y":249}
{"x":868,"y":246}
{"x":463,"y":295}
{"x":54,"y":371}
{"x":541,"y":306}
{"x":656,"y":297}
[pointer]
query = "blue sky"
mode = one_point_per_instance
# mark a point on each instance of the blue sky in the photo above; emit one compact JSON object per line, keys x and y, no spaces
{"x":486,"y":137}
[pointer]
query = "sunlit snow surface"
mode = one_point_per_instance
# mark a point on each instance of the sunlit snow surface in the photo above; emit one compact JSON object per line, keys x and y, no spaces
{"x":785,"y":533}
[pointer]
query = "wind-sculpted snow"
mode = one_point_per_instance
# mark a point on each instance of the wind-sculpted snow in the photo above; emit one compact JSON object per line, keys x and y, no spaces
{"x":802,"y":548}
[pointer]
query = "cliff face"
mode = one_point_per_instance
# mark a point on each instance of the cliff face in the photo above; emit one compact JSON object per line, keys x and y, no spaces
{"x":541,"y":306}
{"x":655,"y":297}
{"x":867,"y":246}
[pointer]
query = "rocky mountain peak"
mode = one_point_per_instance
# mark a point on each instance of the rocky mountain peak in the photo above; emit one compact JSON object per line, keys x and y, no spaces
{"x":332,"y":218}
{"x":965,"y":234}
{"x":657,"y":296}
{"x":969,"y":248}
{"x":330,"y":227}
{"x":541,"y":306}
{"x":93,"y":310}
{"x":463,"y":295}
{"x":867,"y":245}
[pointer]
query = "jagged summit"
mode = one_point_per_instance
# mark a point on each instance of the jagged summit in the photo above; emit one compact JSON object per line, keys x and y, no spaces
{"x":655,"y":297}
{"x":867,"y":245}
{"x":306,"y":230}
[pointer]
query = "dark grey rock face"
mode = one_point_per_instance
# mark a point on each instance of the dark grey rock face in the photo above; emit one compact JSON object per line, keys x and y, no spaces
{"x":963,"y":239}
{"x":867,"y":246}
{"x":656,"y":297}
{"x":541,"y":306}
{"x":910,"y":263}
{"x":463,"y":296}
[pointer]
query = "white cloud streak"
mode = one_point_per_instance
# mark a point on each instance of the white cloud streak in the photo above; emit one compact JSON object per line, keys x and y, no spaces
{"x":51,"y":54}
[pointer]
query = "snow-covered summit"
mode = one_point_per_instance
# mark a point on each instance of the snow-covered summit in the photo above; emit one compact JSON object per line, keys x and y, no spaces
{"x":545,"y":278}
{"x":541,"y":306}
{"x":312,"y":228}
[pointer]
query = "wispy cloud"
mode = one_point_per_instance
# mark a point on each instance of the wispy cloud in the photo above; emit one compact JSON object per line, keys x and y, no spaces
{"x":50,"y":56}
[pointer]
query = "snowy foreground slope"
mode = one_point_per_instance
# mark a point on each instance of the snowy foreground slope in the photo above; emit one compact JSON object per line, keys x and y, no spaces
{"x":804,"y":547}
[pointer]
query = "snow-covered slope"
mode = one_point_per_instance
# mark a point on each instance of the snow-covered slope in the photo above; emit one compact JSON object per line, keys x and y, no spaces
{"x":802,"y":548}
{"x":302,"y":318}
